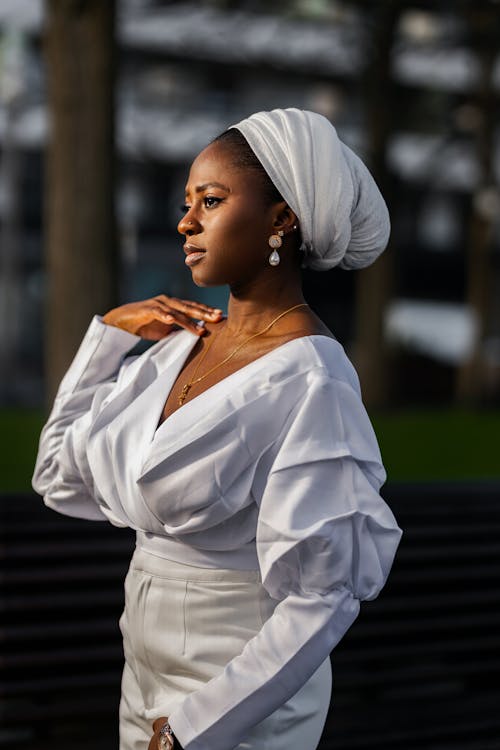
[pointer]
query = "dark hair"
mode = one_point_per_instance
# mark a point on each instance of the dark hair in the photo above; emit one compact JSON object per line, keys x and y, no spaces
{"x":244,"y":158}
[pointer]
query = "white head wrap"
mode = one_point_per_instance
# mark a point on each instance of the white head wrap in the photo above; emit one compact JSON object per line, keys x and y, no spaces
{"x":343,"y":217}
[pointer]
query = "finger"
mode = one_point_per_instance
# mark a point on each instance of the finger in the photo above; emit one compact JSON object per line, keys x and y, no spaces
{"x":188,"y":323}
{"x":176,"y":301}
{"x":194,"y":309}
{"x":195,"y":312}
{"x":176,"y":317}
{"x":201,"y":307}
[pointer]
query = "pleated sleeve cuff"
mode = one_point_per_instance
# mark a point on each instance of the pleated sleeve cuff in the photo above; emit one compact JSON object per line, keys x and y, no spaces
{"x":99,"y":356}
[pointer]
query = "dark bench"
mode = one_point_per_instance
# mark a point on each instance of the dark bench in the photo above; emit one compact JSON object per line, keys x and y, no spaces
{"x":419,"y":669}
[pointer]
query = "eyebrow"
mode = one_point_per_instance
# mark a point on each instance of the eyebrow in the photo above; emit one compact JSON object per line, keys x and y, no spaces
{"x":201,"y":188}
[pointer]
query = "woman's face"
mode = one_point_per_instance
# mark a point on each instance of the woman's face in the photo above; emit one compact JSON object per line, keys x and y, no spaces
{"x":226,"y":223}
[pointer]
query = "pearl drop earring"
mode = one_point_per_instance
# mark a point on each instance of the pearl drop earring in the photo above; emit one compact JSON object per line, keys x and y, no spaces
{"x":275,"y":242}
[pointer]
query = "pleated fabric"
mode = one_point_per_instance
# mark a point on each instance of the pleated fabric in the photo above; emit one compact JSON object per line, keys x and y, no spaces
{"x":343,"y":218}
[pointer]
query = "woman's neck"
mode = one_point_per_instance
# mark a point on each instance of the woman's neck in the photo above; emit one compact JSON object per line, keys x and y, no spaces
{"x":252,"y":309}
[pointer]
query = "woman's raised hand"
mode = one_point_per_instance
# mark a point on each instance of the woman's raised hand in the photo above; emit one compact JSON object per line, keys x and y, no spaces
{"x":155,"y":318}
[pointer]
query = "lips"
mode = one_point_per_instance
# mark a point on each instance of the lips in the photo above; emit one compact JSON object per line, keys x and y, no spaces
{"x":189,"y":248}
{"x":193,"y":254}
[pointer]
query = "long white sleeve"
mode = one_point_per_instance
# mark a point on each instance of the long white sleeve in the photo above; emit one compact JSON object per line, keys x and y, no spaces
{"x":62,"y":474}
{"x":325,"y":541}
{"x":280,"y":457}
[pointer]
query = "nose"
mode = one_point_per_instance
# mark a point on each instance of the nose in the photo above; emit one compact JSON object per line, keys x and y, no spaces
{"x":188,"y":225}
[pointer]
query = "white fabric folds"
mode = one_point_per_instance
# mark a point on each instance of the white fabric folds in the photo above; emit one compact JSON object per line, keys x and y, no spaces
{"x":343,"y":217}
{"x":274,"y":468}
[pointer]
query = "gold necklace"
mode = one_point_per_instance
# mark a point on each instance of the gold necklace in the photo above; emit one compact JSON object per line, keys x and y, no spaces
{"x":186,"y":388}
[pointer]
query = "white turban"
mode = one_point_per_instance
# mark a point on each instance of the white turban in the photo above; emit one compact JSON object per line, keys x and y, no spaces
{"x":343,"y":217}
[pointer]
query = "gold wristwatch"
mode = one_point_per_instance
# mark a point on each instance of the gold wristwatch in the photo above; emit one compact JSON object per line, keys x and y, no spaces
{"x":167,"y":739}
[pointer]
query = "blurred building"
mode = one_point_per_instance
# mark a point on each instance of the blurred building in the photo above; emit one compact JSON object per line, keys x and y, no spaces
{"x":186,"y":72}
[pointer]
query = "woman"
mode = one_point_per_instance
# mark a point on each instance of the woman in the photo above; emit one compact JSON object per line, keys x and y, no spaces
{"x":239,"y":449}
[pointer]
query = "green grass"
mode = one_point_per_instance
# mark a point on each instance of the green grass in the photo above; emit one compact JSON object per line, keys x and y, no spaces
{"x":439,"y":444}
{"x":435,"y":444}
{"x":20,"y":430}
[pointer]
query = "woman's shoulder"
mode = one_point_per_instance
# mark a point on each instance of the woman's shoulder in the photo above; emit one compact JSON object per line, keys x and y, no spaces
{"x":324,"y":357}
{"x":320,"y":350}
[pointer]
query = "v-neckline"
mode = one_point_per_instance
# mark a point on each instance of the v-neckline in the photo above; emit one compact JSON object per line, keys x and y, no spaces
{"x":241,"y":371}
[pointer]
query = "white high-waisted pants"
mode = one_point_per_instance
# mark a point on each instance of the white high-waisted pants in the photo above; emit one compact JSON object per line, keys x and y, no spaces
{"x":181,"y":625}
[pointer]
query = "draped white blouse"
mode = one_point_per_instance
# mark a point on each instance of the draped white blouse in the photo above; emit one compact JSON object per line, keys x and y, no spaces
{"x":276,"y":468}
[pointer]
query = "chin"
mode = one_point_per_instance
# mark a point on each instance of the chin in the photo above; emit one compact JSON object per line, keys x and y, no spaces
{"x":204,"y":280}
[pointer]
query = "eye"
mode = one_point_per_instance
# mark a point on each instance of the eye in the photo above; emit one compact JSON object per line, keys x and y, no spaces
{"x":184,"y":208}
{"x":211,"y":201}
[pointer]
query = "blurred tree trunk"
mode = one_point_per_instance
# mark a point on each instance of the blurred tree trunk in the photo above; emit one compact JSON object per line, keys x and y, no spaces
{"x":79,"y":210}
{"x":484,"y":25}
{"x":12,"y":101}
{"x":374,"y":284}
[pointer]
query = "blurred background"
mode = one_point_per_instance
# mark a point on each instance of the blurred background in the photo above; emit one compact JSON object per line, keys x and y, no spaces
{"x":103,"y":105}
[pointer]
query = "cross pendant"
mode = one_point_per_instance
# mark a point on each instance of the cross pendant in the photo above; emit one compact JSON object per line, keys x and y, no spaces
{"x":184,"y":393}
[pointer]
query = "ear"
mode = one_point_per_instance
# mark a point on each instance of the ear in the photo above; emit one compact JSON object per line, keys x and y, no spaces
{"x":284,"y":218}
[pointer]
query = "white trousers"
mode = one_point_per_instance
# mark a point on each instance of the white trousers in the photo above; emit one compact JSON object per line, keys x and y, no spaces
{"x":181,"y":626}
